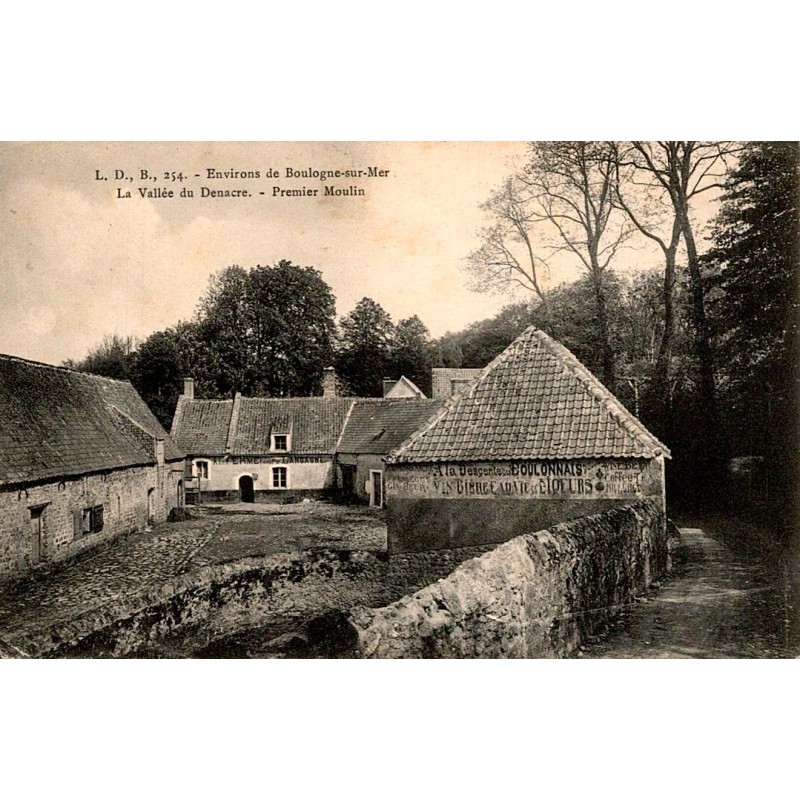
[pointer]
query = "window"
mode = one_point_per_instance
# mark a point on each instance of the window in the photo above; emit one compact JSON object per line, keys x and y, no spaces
{"x":202,"y":469}
{"x":280,"y":441}
{"x":279,"y":478}
{"x":92,"y":519}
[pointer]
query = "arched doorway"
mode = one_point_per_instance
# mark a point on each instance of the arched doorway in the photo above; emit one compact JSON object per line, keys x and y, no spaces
{"x":246,"y":493}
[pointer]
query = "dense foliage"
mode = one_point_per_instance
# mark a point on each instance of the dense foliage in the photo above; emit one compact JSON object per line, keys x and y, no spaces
{"x":753,"y":266}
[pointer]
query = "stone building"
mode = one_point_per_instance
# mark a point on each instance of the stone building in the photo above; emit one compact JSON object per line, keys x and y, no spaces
{"x":375,"y":427}
{"x":535,"y":440}
{"x":254,"y":449}
{"x":82,"y":461}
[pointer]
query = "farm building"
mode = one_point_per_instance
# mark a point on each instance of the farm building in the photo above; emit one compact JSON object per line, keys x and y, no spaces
{"x":374,"y":427}
{"x":535,"y":440}
{"x":82,"y":460}
{"x":254,"y":449}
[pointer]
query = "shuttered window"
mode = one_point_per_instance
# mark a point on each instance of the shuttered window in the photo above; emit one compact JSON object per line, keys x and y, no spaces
{"x":92,"y":520}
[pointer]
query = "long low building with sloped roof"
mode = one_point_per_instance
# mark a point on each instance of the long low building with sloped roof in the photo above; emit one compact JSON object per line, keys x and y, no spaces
{"x":256,"y":449}
{"x":259,"y":449}
{"x":535,"y":440}
{"x":82,"y":460}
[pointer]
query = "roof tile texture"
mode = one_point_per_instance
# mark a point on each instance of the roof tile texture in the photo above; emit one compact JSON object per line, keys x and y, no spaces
{"x":535,"y":400}
{"x":379,"y":426}
{"x":313,"y":422}
{"x":58,"y":422}
{"x":202,"y":427}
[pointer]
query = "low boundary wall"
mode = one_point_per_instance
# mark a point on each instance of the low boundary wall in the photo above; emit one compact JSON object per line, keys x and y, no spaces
{"x":538,"y":595}
{"x":194,"y":610}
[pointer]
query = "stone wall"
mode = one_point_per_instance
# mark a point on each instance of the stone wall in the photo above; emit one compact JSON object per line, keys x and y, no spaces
{"x":192,"y":611}
{"x":123,"y":495}
{"x":537,"y":595}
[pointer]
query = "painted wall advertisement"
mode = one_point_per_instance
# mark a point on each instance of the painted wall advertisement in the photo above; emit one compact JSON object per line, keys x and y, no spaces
{"x":590,"y":479}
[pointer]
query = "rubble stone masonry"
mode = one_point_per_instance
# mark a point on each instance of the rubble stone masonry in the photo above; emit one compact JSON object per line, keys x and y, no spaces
{"x":122,"y":494}
{"x":538,"y":595}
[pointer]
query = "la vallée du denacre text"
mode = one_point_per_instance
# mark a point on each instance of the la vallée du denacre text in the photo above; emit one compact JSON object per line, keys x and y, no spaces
{"x":149,"y":184}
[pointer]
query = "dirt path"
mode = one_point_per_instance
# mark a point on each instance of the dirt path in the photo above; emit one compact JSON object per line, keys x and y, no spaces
{"x":722,"y":602}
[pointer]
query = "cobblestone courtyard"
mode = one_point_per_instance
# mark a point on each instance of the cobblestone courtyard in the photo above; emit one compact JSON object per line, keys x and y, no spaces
{"x":214,"y":535}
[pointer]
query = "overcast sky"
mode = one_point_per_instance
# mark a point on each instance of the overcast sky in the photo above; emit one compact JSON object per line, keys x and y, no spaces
{"x":78,"y":263}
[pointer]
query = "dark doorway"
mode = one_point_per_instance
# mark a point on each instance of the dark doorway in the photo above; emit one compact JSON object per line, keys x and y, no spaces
{"x":348,"y":483}
{"x":376,"y":495}
{"x":246,"y":493}
{"x":36,"y":534}
{"x":181,"y":498}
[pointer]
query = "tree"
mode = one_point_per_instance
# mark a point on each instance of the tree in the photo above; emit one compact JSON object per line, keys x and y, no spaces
{"x":267,"y":331}
{"x":574,"y":313}
{"x":111,"y":358}
{"x":447,"y":351}
{"x":480,"y":342}
{"x":224,"y":331}
{"x":160,"y":364}
{"x":411,"y":353}
{"x":505,"y":261}
{"x":572,"y":187}
{"x":363,"y":359}
{"x":293,"y":312}
{"x":753,"y":304}
{"x":673,"y":174}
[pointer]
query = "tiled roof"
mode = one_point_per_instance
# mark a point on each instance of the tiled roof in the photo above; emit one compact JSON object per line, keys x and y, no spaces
{"x":200,"y":427}
{"x":314,"y":423}
{"x":446,"y":380}
{"x":57,"y":422}
{"x":378,"y":426}
{"x":535,"y":400}
{"x":243,"y":426}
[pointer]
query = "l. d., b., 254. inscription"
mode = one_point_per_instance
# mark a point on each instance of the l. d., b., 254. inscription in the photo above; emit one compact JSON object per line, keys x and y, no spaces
{"x":579,"y":479}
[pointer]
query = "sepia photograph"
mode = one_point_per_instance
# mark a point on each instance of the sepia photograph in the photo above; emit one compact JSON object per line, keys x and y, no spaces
{"x":399,"y":400}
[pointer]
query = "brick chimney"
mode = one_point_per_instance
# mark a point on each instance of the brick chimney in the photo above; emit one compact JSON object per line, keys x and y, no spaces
{"x":188,"y":388}
{"x":388,"y":385}
{"x":329,"y":382}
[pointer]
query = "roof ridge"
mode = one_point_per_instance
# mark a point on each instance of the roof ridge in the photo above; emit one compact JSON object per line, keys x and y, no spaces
{"x":457,"y":397}
{"x":204,"y":399}
{"x":62,"y":368}
{"x":233,"y":422}
{"x":178,"y":414}
{"x":133,"y":421}
{"x":534,"y":382}
{"x":603,"y":395}
{"x":449,"y":403}
{"x":344,"y":426}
